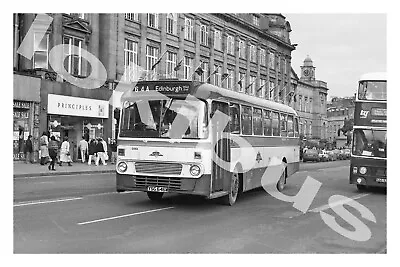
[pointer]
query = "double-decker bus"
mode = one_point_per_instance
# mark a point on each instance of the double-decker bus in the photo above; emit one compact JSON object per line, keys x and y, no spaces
{"x":368,"y":155}
{"x":178,"y":146}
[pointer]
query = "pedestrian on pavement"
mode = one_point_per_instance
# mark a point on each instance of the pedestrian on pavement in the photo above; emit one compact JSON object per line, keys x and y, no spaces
{"x":53,"y":151}
{"x":65,"y":155}
{"x":113,"y":147}
{"x":44,"y":150}
{"x":100,"y":152}
{"x":92,"y":151}
{"x":105,"y":147}
{"x":28,"y":150}
{"x":83,"y":147}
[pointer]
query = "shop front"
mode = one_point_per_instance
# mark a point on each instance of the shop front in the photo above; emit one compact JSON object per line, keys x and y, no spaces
{"x":76,"y":117}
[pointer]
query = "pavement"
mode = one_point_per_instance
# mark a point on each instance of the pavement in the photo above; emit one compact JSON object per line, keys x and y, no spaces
{"x":22,"y":169}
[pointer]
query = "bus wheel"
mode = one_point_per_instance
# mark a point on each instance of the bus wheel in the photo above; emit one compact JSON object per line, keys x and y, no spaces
{"x":155,"y":196}
{"x":231,"y":198}
{"x":361,"y":187}
{"x":280,"y":185}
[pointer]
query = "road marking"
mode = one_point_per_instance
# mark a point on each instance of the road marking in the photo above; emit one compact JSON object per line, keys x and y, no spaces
{"x":123,"y":216}
{"x":328,"y":206}
{"x":63,"y":174}
{"x":45,"y":202}
{"x":112,"y":193}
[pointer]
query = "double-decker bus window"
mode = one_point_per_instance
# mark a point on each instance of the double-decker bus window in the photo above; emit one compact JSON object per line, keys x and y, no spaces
{"x":257,"y":122}
{"x":235,"y":118}
{"x":372,"y":90}
{"x":275,"y":124}
{"x":290,"y":126}
{"x":370,"y":143}
{"x":247,"y":120}
{"x":283,"y":125}
{"x":296,"y":127}
{"x":267,"y":123}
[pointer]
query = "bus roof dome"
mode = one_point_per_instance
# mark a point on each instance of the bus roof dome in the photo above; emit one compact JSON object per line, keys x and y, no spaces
{"x":373,"y":76}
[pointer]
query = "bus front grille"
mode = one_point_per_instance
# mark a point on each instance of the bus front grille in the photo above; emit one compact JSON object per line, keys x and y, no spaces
{"x":170,"y":183}
{"x":159,"y":168}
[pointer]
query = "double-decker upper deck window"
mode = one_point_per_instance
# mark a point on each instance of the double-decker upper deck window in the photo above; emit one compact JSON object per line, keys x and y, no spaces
{"x":275,"y":124}
{"x":189,"y":29}
{"x":41,"y":48}
{"x":235,"y":118}
{"x":73,"y":52}
{"x":247,"y":120}
{"x":172,"y":22}
{"x":372,"y":90}
{"x":203,"y":35}
{"x":267,"y":123}
{"x":257,"y":121}
{"x":152,"y":20}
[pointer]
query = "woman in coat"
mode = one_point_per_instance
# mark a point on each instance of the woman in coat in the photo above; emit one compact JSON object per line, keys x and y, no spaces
{"x":44,"y":150}
{"x":92,"y":150}
{"x":65,"y":155}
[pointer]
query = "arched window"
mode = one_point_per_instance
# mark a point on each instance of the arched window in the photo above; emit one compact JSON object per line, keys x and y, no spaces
{"x":188,"y":29}
{"x":203,"y":35}
{"x":172,"y":19}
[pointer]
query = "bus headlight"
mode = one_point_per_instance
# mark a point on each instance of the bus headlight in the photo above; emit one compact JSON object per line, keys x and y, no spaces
{"x":194,"y":170}
{"x":363,"y":170}
{"x":122,"y":167}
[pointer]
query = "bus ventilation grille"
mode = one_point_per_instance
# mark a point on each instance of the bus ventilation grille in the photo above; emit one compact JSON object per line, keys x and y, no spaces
{"x":170,"y":183}
{"x":158,"y":168}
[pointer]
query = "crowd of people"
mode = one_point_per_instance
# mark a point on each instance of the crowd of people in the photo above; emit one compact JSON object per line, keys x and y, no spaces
{"x":54,"y":151}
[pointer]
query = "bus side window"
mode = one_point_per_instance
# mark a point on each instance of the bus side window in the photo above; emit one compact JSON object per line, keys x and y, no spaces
{"x":235,"y":118}
{"x":275,"y":124}
{"x":283,"y":125}
{"x":290,"y":125}
{"x":247,"y":120}
{"x":267,"y":123}
{"x":296,"y":127}
{"x":257,"y":121}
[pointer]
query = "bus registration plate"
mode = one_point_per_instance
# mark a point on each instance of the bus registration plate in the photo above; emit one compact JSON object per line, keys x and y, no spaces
{"x":157,"y":189}
{"x":380,"y":180}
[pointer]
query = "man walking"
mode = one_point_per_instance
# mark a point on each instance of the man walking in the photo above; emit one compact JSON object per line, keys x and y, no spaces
{"x":83,"y":146}
{"x":100,"y":152}
{"x":28,"y":149}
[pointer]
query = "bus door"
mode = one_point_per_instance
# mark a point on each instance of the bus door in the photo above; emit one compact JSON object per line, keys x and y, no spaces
{"x":220,"y":180}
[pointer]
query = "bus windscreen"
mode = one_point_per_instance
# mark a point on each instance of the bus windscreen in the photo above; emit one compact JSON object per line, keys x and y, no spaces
{"x":370,"y":143}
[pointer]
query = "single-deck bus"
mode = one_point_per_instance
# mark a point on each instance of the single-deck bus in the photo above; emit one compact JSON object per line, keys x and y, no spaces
{"x":368,"y":155}
{"x":179,"y":147}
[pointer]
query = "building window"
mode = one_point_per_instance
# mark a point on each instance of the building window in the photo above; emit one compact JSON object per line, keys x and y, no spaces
{"x":40,"y":54}
{"x":261,"y":89}
{"x":203,"y":35}
{"x":253,"y":84}
{"x":271,"y":90}
{"x":284,"y":65}
{"x":171,"y":64}
{"x":151,"y":57}
{"x":152,"y":20}
{"x":187,"y":67}
{"x":217,"y":76}
{"x":230,"y":45}
{"x":300,"y":103}
{"x":189,"y":29}
{"x":253,"y":53}
{"x":242,"y":49}
{"x":242,"y":81}
{"x":73,"y":61}
{"x":278,"y":63}
{"x":311,"y":105}
{"x":256,"y":20}
{"x":77,"y":15}
{"x":262,"y":56}
{"x":305,"y":103}
{"x":272,"y":60}
{"x":172,"y":22}
{"x":204,"y":75}
{"x":132,"y":16}
{"x":230,"y":79}
{"x":130,"y":59}
{"x":217,"y":40}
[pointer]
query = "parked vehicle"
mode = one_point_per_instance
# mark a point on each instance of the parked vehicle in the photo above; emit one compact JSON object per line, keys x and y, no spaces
{"x":323,"y":156}
{"x":332,"y":155}
{"x":347,"y":153}
{"x":311,"y":155}
{"x":337,"y":154}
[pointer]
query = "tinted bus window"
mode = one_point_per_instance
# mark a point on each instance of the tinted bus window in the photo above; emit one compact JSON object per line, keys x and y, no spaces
{"x":290,"y":126}
{"x":247,"y":120}
{"x":267,"y":123}
{"x":283,"y":125}
{"x":257,"y":121}
{"x":296,"y":127}
{"x":235,"y":118}
{"x":275,"y":124}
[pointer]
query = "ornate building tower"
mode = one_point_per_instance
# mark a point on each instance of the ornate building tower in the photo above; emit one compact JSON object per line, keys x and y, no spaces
{"x":307,"y":70}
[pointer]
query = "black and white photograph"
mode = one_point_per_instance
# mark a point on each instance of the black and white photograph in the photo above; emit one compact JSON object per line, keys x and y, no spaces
{"x":199,"y":133}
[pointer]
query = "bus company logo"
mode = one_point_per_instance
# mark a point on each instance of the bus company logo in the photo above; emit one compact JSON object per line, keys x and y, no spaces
{"x":156,"y":154}
{"x":258,"y":157}
{"x":364,"y":114}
